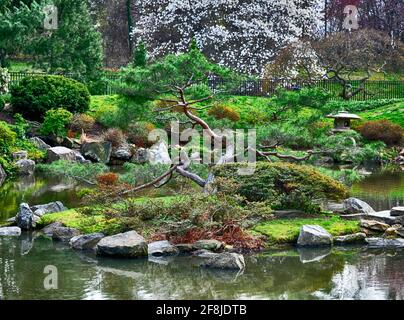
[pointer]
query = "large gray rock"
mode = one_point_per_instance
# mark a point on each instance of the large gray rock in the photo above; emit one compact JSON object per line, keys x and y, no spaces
{"x":385,"y":243}
{"x":20,"y":155}
{"x":355,"y":238}
{"x":42,"y":209}
{"x":25,"y":167}
{"x":10,"y":231}
{"x":25,"y":217}
{"x":61,"y":153}
{"x":397,"y":211}
{"x":124,"y":245}
{"x":211,"y":245}
{"x":50,"y":229}
{"x":39,"y":143}
{"x":97,"y":151}
{"x":159,"y":153}
{"x":314,"y":236}
{"x":86,"y":242}
{"x":227,"y":260}
{"x":353,"y":205}
{"x":162,"y":248}
{"x":64,"y":234}
{"x":141,"y":156}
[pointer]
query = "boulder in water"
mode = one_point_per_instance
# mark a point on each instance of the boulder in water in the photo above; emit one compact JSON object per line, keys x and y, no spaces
{"x":385,"y":243}
{"x":351,"y":238}
{"x":161,"y":248}
{"x":86,"y":242}
{"x":227,"y":260}
{"x":397,"y":211}
{"x":313,"y":235}
{"x":25,"y":218}
{"x":64,"y":234}
{"x":123,"y":245}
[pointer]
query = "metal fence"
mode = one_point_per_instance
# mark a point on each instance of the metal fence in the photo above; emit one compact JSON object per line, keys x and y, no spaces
{"x":261,"y":88}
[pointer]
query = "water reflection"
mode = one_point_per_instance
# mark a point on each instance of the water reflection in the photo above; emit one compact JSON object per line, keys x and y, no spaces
{"x":382,"y":190}
{"x":36,"y":189}
{"x":341,"y":273}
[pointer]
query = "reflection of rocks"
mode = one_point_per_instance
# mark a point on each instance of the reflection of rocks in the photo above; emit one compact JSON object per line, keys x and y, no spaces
{"x":125,"y":245}
{"x":353,"y":205}
{"x":385,"y":243}
{"x":10,"y":231}
{"x":308,"y":255}
{"x":163,"y":260}
{"x":27,"y":242}
{"x":313,"y":236}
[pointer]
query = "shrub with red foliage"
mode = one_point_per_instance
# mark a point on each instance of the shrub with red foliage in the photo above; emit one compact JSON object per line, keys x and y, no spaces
{"x":108,"y":179}
{"x":229,"y":233}
{"x":382,"y":130}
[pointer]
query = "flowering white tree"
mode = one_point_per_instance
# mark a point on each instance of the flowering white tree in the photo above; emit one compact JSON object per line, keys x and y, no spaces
{"x":243,"y":34}
{"x":4,"y":81}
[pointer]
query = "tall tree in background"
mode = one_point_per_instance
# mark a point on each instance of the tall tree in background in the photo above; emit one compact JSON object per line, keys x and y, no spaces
{"x":21,"y":24}
{"x":242,"y":34}
{"x":75,"y":46}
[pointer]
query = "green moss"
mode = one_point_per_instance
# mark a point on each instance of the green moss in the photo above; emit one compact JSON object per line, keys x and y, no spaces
{"x":84,"y":223}
{"x":287,"y":231}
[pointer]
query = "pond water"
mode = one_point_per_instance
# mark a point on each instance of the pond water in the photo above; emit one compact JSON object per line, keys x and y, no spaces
{"x":383,"y":189}
{"x":345,"y":273}
{"x":38,"y":189}
{"x":340,"y":273}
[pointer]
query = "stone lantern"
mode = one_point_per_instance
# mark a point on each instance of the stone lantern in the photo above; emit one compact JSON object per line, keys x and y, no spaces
{"x":342,"y":121}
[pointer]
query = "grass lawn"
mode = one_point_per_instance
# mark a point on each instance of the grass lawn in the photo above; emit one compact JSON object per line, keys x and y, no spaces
{"x":287,"y":230}
{"x":394,"y":113}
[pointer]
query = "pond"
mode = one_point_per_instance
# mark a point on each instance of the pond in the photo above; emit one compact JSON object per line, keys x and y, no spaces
{"x":383,"y":189}
{"x":38,"y":189}
{"x":340,"y":273}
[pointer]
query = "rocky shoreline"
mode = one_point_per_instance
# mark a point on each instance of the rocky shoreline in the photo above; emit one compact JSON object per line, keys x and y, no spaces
{"x":377,"y":231}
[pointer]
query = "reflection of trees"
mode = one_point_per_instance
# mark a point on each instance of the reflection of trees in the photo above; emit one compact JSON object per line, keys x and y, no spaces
{"x":36,"y":189}
{"x":277,"y":275}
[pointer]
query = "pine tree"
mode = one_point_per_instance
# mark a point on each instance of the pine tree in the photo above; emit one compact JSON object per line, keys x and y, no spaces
{"x":140,"y":55}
